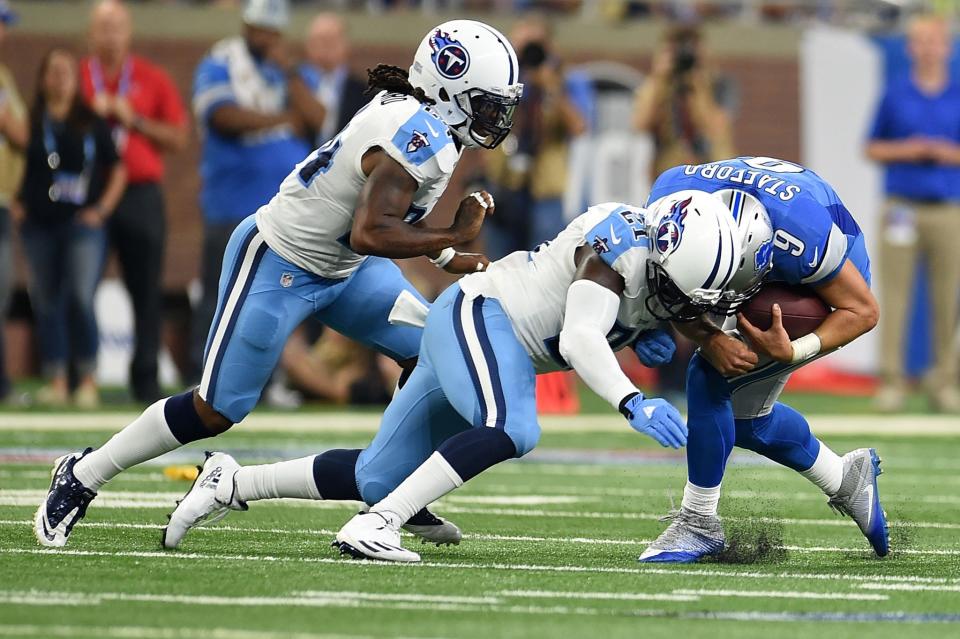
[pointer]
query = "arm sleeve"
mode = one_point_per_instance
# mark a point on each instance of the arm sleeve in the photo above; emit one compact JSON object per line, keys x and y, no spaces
{"x":211,"y":88}
{"x":591,"y":311}
{"x":809,"y":247}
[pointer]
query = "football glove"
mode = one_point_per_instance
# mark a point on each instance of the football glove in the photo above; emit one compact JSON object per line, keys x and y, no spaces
{"x":656,"y":418}
{"x":654,"y":347}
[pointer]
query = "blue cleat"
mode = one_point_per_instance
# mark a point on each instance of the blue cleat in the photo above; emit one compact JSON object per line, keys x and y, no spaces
{"x":859,"y":497}
{"x":65,"y":505}
{"x":689,"y":538}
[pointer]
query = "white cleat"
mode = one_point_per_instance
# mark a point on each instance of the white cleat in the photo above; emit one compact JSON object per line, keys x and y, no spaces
{"x":374,"y":535}
{"x":433,"y":530}
{"x":211,"y":497}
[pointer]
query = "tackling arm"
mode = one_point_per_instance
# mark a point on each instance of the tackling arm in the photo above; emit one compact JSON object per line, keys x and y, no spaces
{"x":378,"y":226}
{"x":593,"y":300}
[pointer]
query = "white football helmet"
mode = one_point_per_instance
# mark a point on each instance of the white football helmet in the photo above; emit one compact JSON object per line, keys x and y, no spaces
{"x":756,"y":244}
{"x":470,"y":70}
{"x":696,"y":250}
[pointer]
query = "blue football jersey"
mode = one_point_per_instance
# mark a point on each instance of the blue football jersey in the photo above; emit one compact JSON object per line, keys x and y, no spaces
{"x":814,"y":232}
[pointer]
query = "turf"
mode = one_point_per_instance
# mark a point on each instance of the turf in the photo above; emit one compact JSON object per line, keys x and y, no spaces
{"x":550,"y":551}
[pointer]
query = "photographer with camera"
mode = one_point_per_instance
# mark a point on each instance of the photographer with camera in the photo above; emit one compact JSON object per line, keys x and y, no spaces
{"x":528,"y":172}
{"x":683,"y":105}
{"x":686,"y":109}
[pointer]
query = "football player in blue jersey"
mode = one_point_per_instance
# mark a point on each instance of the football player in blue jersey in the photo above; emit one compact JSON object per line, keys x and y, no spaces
{"x":321,"y":246}
{"x":795,"y":230}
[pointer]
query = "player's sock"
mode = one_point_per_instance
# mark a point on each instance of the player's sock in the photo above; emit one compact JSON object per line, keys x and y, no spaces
{"x":785,"y":437}
{"x":458,"y":459}
{"x":702,"y":501}
{"x":827,"y":470}
{"x":162,"y":427}
{"x":433,"y":479}
{"x":293,"y":479}
{"x":335,"y":474}
{"x":710,"y":423}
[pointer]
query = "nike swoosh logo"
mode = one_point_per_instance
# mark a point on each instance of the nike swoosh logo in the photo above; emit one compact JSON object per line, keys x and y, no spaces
{"x":432,"y":132}
{"x":46,"y":531}
{"x":613,"y":236}
{"x":816,"y":252}
{"x":869,"y":490}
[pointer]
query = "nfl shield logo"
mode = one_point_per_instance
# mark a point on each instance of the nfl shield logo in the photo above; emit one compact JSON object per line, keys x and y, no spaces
{"x":286,"y":280}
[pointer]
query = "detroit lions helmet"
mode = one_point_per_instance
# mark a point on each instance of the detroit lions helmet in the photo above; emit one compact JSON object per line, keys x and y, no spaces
{"x":696,"y":251}
{"x":756,"y":244}
{"x":470,"y":70}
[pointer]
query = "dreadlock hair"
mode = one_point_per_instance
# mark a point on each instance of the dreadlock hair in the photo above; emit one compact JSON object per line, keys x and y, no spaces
{"x":386,"y":77}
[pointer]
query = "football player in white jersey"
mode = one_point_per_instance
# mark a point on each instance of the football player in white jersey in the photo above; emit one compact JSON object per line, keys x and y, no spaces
{"x":603,"y":283}
{"x":321,"y":246}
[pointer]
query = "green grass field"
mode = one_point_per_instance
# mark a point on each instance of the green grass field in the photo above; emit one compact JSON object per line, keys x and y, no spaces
{"x":549,"y":551}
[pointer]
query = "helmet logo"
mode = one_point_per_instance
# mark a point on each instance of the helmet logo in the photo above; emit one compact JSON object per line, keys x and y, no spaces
{"x":763,"y":257}
{"x":670,"y":230}
{"x":449,"y":56}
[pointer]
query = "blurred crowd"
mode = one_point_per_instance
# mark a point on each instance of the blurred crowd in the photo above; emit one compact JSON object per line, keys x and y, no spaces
{"x":82,"y":162}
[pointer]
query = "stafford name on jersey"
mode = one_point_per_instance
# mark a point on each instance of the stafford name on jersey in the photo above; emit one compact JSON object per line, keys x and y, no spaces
{"x":774,"y":185}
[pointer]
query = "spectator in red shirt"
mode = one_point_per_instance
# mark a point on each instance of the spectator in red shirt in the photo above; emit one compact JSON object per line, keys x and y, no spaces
{"x":147,"y":117}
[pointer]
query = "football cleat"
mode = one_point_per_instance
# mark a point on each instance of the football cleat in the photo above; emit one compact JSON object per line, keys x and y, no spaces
{"x":859,"y":497}
{"x":65,"y":505}
{"x":210,"y":498}
{"x":373,"y":535}
{"x":432,"y":529}
{"x":689,"y":538}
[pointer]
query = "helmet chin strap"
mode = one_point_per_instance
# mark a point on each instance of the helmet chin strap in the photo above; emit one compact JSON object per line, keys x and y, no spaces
{"x":462,"y":131}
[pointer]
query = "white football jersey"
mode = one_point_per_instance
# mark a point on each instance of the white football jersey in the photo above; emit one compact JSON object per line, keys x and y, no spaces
{"x":308,"y":221}
{"x":532,"y":285}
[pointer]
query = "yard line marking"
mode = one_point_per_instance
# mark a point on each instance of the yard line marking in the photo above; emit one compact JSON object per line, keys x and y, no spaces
{"x":149,"y":632}
{"x":682,"y":594}
{"x":894,"y":586}
{"x":471,"y":537}
{"x":560,"y":568}
{"x":780,"y":594}
{"x":600,"y":596}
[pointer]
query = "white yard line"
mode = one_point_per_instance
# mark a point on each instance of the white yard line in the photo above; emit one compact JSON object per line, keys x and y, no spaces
{"x":780,"y":594}
{"x":121,"y":499}
{"x":899,"y":425}
{"x":692,"y":595}
{"x":697,"y":573}
{"x":223,"y":528}
{"x":150,"y":632}
{"x":920,"y":587}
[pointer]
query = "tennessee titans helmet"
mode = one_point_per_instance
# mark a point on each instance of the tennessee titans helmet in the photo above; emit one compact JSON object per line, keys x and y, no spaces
{"x":756,"y":233}
{"x":470,"y":70}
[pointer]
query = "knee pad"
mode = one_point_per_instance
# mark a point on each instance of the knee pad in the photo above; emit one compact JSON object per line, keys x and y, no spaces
{"x":260,"y":327}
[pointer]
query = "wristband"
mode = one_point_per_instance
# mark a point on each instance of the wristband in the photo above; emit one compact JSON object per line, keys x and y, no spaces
{"x":805,"y":347}
{"x":626,"y":412}
{"x":445,"y":257}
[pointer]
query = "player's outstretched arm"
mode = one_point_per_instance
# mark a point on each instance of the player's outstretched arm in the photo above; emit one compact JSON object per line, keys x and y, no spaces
{"x":378,"y":226}
{"x":729,"y":355}
{"x":593,"y":300}
{"x":855,"y":312}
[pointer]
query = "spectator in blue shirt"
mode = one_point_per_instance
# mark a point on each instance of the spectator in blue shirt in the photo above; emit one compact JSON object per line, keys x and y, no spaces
{"x":254,"y":107}
{"x":916,"y":135}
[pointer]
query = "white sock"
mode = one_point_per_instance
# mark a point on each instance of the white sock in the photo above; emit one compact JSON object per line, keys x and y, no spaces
{"x":702,"y":501}
{"x":431,"y":481}
{"x":146,"y":437}
{"x":827,"y":471}
{"x":292,"y":478}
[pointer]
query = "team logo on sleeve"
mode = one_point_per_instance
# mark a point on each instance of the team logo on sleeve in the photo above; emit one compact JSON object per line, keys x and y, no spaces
{"x":417,"y":141}
{"x":600,"y":245}
{"x":670,"y":230}
{"x":449,"y":56}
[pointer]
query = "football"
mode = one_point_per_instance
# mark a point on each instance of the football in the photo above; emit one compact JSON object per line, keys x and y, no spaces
{"x":803,"y":311}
